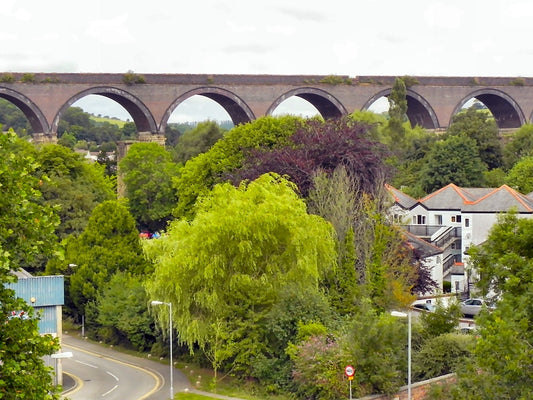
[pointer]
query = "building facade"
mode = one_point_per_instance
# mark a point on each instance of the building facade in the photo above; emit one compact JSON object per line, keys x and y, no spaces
{"x":452,"y":219}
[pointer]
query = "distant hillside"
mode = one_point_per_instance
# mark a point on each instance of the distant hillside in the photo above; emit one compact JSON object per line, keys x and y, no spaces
{"x":114,"y":121}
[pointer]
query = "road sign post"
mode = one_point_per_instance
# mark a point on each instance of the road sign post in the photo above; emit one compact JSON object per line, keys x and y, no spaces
{"x":349,"y":371}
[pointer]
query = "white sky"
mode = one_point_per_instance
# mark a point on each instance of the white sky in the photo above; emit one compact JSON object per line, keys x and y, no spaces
{"x":345,"y":37}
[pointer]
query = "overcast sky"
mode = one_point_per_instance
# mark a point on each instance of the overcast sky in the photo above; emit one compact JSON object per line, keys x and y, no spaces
{"x":345,"y":37}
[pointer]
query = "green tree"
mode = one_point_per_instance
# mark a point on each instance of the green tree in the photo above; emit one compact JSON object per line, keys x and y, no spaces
{"x":75,"y":120}
{"x":520,"y":177}
{"x":441,"y":355}
{"x":67,"y":140}
{"x":122,"y":312}
{"x":224,"y":271}
{"x":453,"y":160}
{"x":374,"y":259}
{"x":372,"y":343}
{"x":197,"y":140}
{"x":129,"y":130}
{"x":202,"y":172}
{"x":518,"y":145}
{"x":397,"y":111}
{"x":444,"y":319}
{"x":26,"y":229}
{"x":109,"y":243}
{"x":12,"y":117}
{"x":503,"y":354}
{"x":480,"y":126}
{"x":147,"y":171}
{"x":75,"y":186}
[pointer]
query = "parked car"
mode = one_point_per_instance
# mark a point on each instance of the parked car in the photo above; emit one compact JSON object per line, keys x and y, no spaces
{"x":424,"y":306}
{"x":472,"y":307}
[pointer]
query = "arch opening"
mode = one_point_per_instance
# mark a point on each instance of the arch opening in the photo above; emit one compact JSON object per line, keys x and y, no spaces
{"x":226,"y":103}
{"x":326,"y":105}
{"x":296,"y":106}
{"x":31,"y":112}
{"x":503,"y":108}
{"x":419,"y":111}
{"x":140,"y":114}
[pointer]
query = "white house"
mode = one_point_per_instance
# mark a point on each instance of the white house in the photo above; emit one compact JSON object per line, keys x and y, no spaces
{"x":453,"y":219}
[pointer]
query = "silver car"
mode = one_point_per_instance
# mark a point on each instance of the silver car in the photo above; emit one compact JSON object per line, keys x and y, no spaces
{"x":472,"y":307}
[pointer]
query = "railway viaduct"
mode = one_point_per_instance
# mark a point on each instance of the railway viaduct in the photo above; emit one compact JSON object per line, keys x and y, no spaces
{"x":151,"y":98}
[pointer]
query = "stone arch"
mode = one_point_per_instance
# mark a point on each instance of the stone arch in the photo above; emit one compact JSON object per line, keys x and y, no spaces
{"x":505,"y":110}
{"x":237,"y":109}
{"x":37,"y":120}
{"x":419,"y":111}
{"x":140,"y":114}
{"x":326,"y":104}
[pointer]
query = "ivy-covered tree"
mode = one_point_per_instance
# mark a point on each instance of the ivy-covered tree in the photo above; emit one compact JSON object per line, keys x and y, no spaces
{"x":224,"y":271}
{"x":397,"y":112}
{"x":26,"y":229}
{"x":147,"y":172}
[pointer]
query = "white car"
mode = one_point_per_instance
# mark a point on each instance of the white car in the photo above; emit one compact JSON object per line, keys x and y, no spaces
{"x":472,"y":307}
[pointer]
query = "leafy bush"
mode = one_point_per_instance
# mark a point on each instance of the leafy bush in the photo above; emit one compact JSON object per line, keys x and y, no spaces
{"x":28,"y":78}
{"x":130,"y":78}
{"x":442,"y":355}
{"x":442,"y":320}
{"x":7,"y":78}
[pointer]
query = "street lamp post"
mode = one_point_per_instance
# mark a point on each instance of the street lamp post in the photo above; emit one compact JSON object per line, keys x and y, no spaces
{"x":158,"y":303}
{"x":408,"y":315}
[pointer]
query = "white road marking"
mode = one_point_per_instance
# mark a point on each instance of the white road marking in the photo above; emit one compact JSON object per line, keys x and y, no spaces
{"x":84,"y":363}
{"x":109,"y":391}
{"x":112,"y":375}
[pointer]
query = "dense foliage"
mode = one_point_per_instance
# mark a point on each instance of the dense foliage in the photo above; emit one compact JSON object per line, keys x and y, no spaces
{"x":26,"y":229}
{"x":201,"y":173}
{"x":321,"y":146}
{"x":226,"y":269}
{"x":502,"y":363}
{"x":147,"y":172}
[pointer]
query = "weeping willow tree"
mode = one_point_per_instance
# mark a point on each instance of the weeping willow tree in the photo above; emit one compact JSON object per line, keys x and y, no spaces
{"x":224,"y":270}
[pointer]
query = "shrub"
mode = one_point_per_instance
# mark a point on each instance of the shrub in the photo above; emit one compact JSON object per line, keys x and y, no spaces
{"x":7,"y":78}
{"x":442,"y":355}
{"x":517,"y":82}
{"x":130,"y":78}
{"x":28,"y":78}
{"x":442,"y":320}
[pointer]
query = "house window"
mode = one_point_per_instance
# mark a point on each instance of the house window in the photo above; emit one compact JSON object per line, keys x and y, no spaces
{"x":419,"y":219}
{"x":456,"y":218}
{"x":467,"y":222}
{"x":438,"y":219}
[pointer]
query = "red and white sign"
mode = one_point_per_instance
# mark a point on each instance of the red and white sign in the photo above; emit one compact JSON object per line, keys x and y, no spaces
{"x":349,"y":371}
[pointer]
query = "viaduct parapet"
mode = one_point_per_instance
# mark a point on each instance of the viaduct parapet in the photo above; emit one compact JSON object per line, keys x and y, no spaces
{"x":151,"y":98}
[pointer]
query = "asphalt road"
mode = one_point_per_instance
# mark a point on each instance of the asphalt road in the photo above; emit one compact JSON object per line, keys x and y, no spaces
{"x":99,"y":372}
